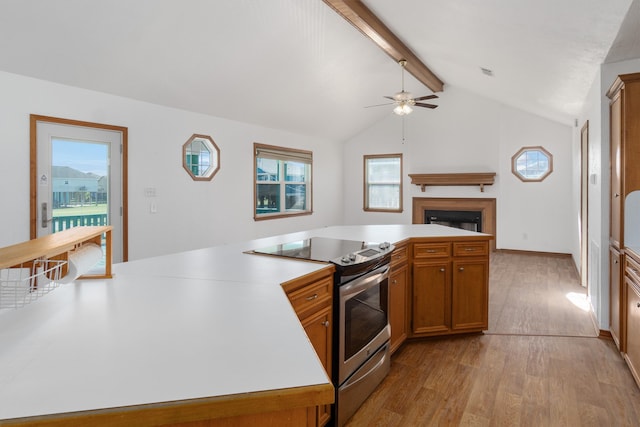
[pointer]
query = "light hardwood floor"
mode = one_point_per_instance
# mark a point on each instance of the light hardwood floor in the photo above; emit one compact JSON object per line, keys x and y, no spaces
{"x":540,"y":363}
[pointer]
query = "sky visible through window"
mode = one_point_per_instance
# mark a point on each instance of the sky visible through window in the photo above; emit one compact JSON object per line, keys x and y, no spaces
{"x":80,"y":155}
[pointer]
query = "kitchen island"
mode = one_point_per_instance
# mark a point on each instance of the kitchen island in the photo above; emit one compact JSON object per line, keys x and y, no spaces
{"x":201,"y":335}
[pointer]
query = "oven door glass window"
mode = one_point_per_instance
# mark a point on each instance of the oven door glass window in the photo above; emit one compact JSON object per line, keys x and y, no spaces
{"x":365,"y":317}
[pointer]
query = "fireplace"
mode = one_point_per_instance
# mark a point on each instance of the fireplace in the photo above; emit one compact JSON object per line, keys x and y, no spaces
{"x":464,"y":213}
{"x":466,"y":220}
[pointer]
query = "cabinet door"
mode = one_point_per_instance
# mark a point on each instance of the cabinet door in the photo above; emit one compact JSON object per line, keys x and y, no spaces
{"x":398,"y":282}
{"x":615,"y":301}
{"x":616,"y":176}
{"x":318,"y":328}
{"x":470,"y":295}
{"x":431,"y":304}
{"x":633,"y":329}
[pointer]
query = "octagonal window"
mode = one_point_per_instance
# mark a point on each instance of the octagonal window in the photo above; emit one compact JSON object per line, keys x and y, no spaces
{"x":532,"y":164}
{"x":201,"y":157}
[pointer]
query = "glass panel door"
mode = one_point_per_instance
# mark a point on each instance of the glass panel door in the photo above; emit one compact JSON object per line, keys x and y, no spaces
{"x":79,"y":180}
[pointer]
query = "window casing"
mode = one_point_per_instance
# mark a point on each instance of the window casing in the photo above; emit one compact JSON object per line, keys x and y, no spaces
{"x":383,"y":183}
{"x":282,"y":182}
{"x":532,"y":164}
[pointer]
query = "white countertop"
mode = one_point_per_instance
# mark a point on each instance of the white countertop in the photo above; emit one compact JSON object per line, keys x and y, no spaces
{"x":202,"y":323}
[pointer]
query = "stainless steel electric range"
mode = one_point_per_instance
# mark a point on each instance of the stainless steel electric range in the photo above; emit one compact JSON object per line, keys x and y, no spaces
{"x":360,"y":313}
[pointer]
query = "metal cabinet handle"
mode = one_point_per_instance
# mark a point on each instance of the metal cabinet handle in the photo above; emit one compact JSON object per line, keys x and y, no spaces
{"x":312,"y":297}
{"x":617,"y":195}
{"x":615,"y":261}
{"x":325,"y":323}
{"x":461,"y":269}
{"x":395,"y":281}
{"x":442,"y":270}
{"x":638,"y":305}
{"x":469,"y":249}
{"x":431,"y":251}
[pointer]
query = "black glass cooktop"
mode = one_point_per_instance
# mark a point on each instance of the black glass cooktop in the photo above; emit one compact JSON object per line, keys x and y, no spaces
{"x":317,"y":249}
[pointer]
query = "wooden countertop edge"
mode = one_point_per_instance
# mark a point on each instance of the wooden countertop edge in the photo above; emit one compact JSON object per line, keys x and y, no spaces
{"x":301,"y":281}
{"x":479,"y":237}
{"x":186,"y":411}
{"x":49,"y":245}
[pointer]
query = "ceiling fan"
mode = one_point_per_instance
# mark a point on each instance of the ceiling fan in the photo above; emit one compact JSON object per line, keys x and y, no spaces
{"x":404,"y":101}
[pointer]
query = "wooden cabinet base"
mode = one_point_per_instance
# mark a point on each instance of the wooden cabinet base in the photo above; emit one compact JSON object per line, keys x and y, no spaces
{"x":294,"y":417}
{"x":286,"y":407}
{"x":450,"y":287}
{"x":632,"y":355}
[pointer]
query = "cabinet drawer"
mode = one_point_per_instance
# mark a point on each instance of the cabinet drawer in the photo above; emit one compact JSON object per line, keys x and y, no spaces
{"x":431,"y":250}
{"x":470,"y":249}
{"x":399,"y":256}
{"x":312,"y":296}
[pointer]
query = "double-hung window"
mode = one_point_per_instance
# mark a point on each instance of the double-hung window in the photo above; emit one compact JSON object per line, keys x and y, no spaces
{"x":383,"y":182}
{"x":282,"y":182}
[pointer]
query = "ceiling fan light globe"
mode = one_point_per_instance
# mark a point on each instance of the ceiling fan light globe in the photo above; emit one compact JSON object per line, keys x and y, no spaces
{"x":402,"y":109}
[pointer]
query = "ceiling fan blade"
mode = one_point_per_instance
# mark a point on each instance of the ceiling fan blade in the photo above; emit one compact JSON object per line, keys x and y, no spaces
{"x":422,"y":98}
{"x":390,"y":97}
{"x":422,"y":104}
{"x":379,"y":105}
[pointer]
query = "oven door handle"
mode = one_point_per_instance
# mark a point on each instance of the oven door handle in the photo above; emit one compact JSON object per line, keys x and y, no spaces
{"x":367,"y":281}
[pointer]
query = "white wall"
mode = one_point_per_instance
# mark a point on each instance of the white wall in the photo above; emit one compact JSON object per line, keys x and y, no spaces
{"x":596,"y":111}
{"x":469,"y":133}
{"x":189,"y":214}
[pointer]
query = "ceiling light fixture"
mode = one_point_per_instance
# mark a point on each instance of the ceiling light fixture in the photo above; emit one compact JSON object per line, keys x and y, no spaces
{"x":402,"y":109}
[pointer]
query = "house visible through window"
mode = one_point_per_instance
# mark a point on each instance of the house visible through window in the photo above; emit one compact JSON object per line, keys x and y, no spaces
{"x":383,"y":182}
{"x":282,"y":182}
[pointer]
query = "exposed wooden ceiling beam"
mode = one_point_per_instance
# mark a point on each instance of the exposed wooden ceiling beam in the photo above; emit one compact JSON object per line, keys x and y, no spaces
{"x":371,"y":26}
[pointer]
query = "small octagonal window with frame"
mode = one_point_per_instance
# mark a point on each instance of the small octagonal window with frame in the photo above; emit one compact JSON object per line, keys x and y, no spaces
{"x":201,"y":157}
{"x":532,"y":164}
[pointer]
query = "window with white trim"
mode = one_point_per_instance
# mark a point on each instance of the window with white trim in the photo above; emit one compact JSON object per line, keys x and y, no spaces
{"x":282,"y":182}
{"x":383,"y":182}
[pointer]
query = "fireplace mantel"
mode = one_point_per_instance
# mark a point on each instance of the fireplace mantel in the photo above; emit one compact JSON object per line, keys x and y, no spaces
{"x":474,"y":178}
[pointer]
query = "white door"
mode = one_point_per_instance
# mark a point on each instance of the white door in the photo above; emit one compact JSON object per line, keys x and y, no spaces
{"x":79,"y":179}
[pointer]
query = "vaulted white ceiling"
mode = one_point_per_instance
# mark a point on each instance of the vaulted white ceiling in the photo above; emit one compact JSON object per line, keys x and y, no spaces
{"x":297,"y":65}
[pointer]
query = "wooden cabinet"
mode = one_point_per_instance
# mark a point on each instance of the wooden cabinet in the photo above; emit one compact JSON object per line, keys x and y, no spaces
{"x":450,"y":292}
{"x":616,"y":286}
{"x":311,"y":297}
{"x":624,"y":121}
{"x":632,"y":316}
{"x":398,"y":297}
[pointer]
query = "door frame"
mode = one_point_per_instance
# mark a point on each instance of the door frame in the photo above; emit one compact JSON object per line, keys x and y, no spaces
{"x":33,"y":155}
{"x":584,"y":205}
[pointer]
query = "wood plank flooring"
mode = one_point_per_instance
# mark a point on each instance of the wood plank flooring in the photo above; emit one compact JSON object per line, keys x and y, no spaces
{"x":532,"y":294}
{"x":540,"y":363}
